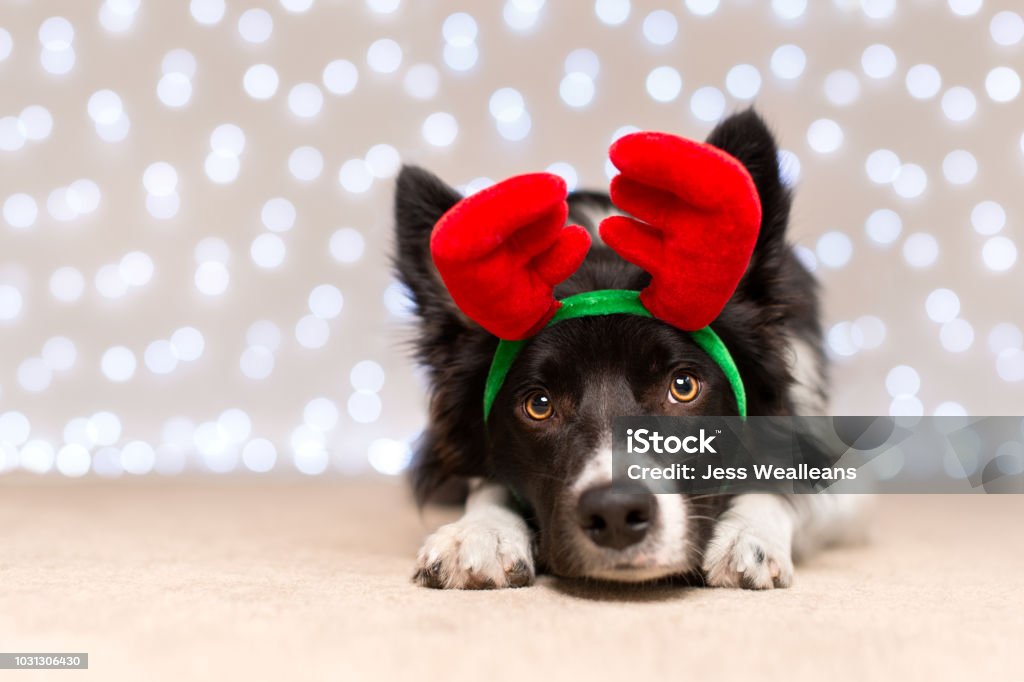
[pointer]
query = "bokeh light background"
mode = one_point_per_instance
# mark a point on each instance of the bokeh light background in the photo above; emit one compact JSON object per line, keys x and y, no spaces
{"x":196,"y":200}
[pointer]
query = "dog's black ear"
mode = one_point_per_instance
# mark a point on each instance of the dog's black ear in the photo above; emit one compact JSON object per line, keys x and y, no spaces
{"x":746,"y":136}
{"x":775,"y":306}
{"x":455,"y":351}
{"x":421,"y":198}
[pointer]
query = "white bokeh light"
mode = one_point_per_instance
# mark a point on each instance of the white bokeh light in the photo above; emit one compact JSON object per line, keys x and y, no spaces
{"x":421,"y":81}
{"x":965,"y":8}
{"x":326,"y":301}
{"x":207,"y":12}
{"x":367,"y":376}
{"x":999,"y":254}
{"x":923,"y":81}
{"x":1002,"y":84}
{"x":506,"y":104}
{"x":188,"y":343}
{"x":355,"y":176}
{"x":788,"y":62}
{"x":12,"y":135}
{"x":160,"y":357}
{"x":460,"y":58}
{"x":34,"y":375}
{"x":660,"y":27}
{"x":138,"y":457}
{"x":1003,"y":336}
{"x":20,"y":211}
{"x":259,"y":455}
{"x":577,"y":89}
{"x":789,"y":9}
{"x":834,"y":249}
{"x":305,"y":100}
{"x":340,"y":77}
{"x":255,"y":25}
{"x":297,"y":6}
{"x":15,"y":428}
{"x":174,"y":90}
{"x":364,"y":407}
{"x":136,"y":268}
{"x":36,"y":122}
{"x":179,"y":61}
{"x":459,"y":29}
{"x":920,"y":250}
{"x":67,"y":284}
{"x":942,"y":305}
{"x":878,"y":61}
{"x":956,"y":335}
{"x":264,"y":333}
{"x":227,"y":139}
{"x":312,"y":332}
{"x":960,"y":167}
{"x":160,"y":179}
{"x":6,"y":44}
{"x":320,"y":414}
{"x":389,"y":456}
{"x":663,"y":85}
{"x":73,"y":460}
{"x":257,"y":362}
{"x":306,"y":163}
{"x":221,"y":168}
{"x":903,"y":381}
{"x":743,"y":81}
{"x":707,"y":104}
{"x":882,"y":166}
{"x":988,"y":218}
{"x":260,"y":81}
{"x":118,"y":364}
{"x":383,"y":160}
{"x":583,"y":61}
{"x":612,"y":12}
{"x":1007,"y":28}
{"x":842,"y":87}
{"x":11,"y":302}
{"x":911,"y":181}
{"x":212,"y":278}
{"x":347,"y":245}
{"x":824,"y":136}
{"x":212,"y":248}
{"x":959,"y":104}
{"x":384,"y":56}
{"x":867,"y":332}
{"x":278,"y":215}
{"x":440,"y":129}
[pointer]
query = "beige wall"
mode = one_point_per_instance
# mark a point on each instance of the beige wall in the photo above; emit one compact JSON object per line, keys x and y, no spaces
{"x":834,"y":193}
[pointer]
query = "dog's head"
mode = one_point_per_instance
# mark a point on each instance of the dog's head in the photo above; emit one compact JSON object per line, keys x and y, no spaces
{"x":548,"y":435}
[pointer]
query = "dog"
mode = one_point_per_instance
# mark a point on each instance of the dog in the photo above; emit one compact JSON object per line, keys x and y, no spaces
{"x":539,"y":498}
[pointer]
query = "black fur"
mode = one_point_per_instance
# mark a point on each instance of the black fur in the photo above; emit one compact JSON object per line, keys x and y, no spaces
{"x":600,"y":367}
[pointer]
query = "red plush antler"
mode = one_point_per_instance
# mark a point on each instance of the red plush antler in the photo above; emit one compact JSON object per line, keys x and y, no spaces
{"x":699,"y":215}
{"x":502,"y":251}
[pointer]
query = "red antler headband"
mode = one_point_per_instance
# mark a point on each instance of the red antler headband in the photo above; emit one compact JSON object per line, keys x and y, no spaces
{"x":696,"y":216}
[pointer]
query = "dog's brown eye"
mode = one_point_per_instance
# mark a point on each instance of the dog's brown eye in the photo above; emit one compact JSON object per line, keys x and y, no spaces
{"x":538,"y":406}
{"x":683,"y":389}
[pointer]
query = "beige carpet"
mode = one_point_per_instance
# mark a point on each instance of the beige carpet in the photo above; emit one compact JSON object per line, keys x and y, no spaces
{"x":310,"y":580}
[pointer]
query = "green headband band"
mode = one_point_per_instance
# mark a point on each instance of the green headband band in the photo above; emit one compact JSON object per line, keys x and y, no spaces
{"x":611,"y":302}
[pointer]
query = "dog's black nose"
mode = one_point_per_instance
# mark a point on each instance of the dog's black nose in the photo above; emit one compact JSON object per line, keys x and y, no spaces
{"x":616,"y":516}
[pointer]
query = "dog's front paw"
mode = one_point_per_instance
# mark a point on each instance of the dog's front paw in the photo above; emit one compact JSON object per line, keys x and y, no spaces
{"x":478,"y":552}
{"x":741,"y":555}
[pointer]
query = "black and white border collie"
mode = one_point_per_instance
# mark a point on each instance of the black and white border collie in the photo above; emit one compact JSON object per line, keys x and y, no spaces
{"x":566,"y":519}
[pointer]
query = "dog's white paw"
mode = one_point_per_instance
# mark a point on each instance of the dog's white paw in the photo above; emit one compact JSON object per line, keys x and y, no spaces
{"x":484,"y":550}
{"x":741,"y":554}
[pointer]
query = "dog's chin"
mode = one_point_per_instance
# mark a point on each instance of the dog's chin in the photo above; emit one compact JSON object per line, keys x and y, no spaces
{"x":635,"y":574}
